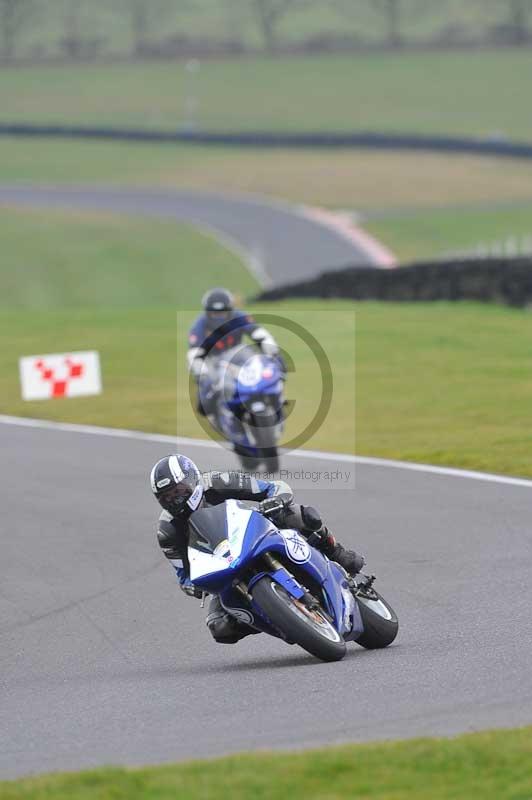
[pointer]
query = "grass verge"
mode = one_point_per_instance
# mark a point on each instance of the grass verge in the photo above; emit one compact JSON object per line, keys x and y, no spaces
{"x":71,"y":259}
{"x":388,"y":92}
{"x":417,"y":193}
{"x":441,"y":383}
{"x":363,"y":180}
{"x":482,"y":766}
{"x":434,"y":233}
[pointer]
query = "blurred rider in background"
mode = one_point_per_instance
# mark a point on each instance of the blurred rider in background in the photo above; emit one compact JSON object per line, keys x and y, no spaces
{"x":220,"y":327}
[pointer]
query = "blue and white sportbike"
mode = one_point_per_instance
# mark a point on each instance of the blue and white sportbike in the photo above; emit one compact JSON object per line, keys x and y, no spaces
{"x":274,"y":581}
{"x":244,"y":389}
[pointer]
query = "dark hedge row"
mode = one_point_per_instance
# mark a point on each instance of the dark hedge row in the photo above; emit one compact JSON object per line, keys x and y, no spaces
{"x":504,"y":280}
{"x":366,"y":140}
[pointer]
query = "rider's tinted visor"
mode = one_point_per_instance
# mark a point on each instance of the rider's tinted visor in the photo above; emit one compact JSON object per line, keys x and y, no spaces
{"x":175,"y":497}
{"x":222,"y":315}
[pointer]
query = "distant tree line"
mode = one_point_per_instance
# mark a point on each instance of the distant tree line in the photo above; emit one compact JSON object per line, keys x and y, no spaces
{"x":78,"y":28}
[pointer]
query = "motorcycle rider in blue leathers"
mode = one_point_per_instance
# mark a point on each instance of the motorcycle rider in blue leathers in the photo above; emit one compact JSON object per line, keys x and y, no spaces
{"x":219,"y":328}
{"x":181,"y":489}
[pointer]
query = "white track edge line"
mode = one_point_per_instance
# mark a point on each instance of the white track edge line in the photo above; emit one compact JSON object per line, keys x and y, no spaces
{"x":121,"y":433}
{"x":251,"y":198}
{"x":250,"y":259}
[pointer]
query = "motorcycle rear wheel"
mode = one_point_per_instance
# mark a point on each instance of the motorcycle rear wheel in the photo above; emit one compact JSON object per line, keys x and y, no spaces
{"x":310,"y":629}
{"x":380,"y":621}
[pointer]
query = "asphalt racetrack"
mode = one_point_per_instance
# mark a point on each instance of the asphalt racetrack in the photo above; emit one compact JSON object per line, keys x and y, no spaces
{"x":280,"y":243}
{"x":103,"y":660}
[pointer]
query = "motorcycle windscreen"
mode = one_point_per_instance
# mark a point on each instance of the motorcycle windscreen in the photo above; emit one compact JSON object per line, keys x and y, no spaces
{"x":207,"y":542}
{"x":208,"y":528}
{"x":244,"y":527}
{"x":218,"y":536}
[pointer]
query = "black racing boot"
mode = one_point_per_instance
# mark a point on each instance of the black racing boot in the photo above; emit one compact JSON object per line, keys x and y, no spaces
{"x":323,"y":540}
{"x":224,"y":628}
{"x":352,"y":562}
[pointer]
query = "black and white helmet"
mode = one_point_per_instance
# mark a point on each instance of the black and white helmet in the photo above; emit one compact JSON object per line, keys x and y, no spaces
{"x":177,"y":485}
{"x":218,"y":303}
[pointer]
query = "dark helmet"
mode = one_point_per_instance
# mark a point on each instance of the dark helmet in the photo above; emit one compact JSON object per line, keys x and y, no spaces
{"x":177,"y":485}
{"x":218,"y":303}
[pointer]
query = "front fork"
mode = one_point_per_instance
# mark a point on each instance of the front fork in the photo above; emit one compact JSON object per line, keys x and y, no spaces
{"x":281,"y":576}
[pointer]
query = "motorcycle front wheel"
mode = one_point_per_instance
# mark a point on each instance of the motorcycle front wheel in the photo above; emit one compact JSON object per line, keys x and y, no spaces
{"x":309,"y":628}
{"x":248,"y":461}
{"x":267,"y":447}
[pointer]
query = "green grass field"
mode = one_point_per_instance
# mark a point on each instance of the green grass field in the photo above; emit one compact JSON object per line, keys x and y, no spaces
{"x":481,"y":199}
{"x":481,"y":93}
{"x":362,"y":180}
{"x":480,"y":766}
{"x":484,"y":93}
{"x":426,"y":234}
{"x":53,"y":260}
{"x":145,"y":379}
{"x":443,"y":383}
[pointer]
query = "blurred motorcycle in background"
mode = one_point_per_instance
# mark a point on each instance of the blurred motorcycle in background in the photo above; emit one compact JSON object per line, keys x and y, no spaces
{"x":244,"y":392}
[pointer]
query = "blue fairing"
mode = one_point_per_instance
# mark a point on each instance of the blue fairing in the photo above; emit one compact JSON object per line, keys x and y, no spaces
{"x":261,"y":536}
{"x":327,"y":573}
{"x":236,"y":398}
{"x":269,"y":383}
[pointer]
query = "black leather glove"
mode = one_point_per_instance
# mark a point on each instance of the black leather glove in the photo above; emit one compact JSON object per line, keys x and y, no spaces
{"x":271,"y":506}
